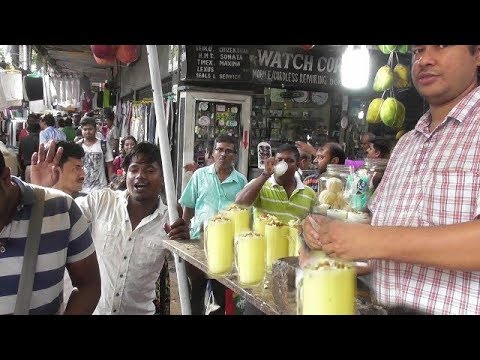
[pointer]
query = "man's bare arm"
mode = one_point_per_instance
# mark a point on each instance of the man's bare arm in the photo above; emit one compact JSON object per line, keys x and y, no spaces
{"x":85,"y":276}
{"x":455,"y":247}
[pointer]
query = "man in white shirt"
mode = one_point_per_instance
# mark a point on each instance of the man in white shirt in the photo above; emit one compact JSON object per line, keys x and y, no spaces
{"x":98,"y":156}
{"x":128,"y":228}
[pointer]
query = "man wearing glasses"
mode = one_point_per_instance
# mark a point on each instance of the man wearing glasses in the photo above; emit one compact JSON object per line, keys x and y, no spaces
{"x":210,"y":190}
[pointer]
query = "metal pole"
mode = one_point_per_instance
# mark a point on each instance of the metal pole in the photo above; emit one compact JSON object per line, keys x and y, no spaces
{"x":156,"y":80}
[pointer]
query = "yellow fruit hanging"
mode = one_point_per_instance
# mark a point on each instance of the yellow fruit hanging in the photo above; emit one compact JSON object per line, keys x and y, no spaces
{"x":401,"y":74}
{"x":373,"y":112}
{"x":383,"y":79}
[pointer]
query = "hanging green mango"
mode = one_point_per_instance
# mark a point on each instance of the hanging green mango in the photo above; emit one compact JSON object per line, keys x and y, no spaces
{"x":401,"y":75}
{"x":373,"y":112}
{"x":387,"y":49}
{"x":383,"y":79}
{"x":392,"y":112}
{"x":402,"y":49}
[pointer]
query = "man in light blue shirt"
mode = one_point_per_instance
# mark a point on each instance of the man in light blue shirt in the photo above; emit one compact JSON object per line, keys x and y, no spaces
{"x":210,"y":189}
{"x":49,"y":132}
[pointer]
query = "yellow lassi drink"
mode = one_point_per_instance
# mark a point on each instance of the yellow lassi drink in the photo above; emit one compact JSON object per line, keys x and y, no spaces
{"x":219,"y":245}
{"x":328,"y":289}
{"x":276,"y":236}
{"x":259,"y":223}
{"x":250,"y":250}
{"x":294,"y":242}
{"x":240,"y":217}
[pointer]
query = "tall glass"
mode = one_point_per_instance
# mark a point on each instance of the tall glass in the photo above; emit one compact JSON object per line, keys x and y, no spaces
{"x":240,"y":217}
{"x":276,"y":236}
{"x":294,"y":243}
{"x":250,"y":251}
{"x":329,"y":289}
{"x":219,"y":245}
{"x":259,"y":223}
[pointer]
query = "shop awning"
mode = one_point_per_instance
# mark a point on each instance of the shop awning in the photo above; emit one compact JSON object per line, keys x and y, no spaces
{"x":76,"y":60}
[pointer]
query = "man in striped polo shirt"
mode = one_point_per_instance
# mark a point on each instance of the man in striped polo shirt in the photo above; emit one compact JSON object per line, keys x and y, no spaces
{"x":65,"y":242}
{"x":284,"y":196}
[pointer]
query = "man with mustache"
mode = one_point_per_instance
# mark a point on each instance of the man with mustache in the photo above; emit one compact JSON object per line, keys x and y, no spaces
{"x":329,"y":153}
{"x":423,"y":243}
{"x":70,"y":171}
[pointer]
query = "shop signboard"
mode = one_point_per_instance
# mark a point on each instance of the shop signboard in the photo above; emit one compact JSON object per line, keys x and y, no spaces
{"x":275,"y":66}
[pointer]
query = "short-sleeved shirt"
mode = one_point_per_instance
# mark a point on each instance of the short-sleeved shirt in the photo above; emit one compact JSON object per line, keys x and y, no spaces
{"x":94,"y":166}
{"x":112,"y":134}
{"x":50,"y":133}
{"x":130,"y":260}
{"x":432,"y":179}
{"x":69,"y":132}
{"x":273,"y":199}
{"x":208,"y":196}
{"x":65,"y":239}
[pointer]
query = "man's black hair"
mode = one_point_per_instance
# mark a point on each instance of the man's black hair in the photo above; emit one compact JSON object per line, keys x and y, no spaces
{"x":381,"y":146}
{"x":150,"y":152}
{"x":68,"y":121}
{"x":225,"y":139}
{"x":33,"y":128}
{"x":49,"y":120}
{"x":70,"y":149}
{"x":290,"y":148}
{"x":110,"y":116}
{"x":88,"y":121}
{"x":336,"y":150}
{"x":61,"y":122}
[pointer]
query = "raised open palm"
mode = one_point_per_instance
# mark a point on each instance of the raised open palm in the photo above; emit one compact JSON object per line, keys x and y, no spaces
{"x":45,"y":164}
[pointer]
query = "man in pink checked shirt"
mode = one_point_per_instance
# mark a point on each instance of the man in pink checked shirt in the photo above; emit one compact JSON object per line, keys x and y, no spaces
{"x":423,"y":245}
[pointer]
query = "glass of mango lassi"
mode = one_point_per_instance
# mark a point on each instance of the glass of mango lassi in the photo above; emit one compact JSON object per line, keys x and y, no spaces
{"x":276,"y":237}
{"x":327,"y":288}
{"x":218,"y":245}
{"x":294,"y":242}
{"x":240,"y":217}
{"x":250,"y":249}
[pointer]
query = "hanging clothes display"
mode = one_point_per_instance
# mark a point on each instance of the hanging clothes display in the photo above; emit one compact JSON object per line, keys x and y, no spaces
{"x":56,"y":85}
{"x":99,"y":99}
{"x":33,"y":87}
{"x":76,"y":92}
{"x":106,"y":98}
{"x":68,"y":92}
{"x":151,"y":125}
{"x":95,"y":101}
{"x":11,"y":88}
{"x":86,"y":101}
{"x":135,"y":118}
{"x":169,"y":114}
